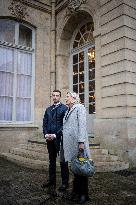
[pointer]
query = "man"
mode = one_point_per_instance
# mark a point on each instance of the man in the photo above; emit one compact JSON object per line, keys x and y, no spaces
{"x":52,"y":130}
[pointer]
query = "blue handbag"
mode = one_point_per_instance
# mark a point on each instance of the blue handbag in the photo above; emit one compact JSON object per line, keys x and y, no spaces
{"x":82,"y":166}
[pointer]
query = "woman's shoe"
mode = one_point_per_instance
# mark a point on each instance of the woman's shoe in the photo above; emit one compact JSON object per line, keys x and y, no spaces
{"x":83,"y":198}
{"x":63,"y":187}
{"x":73,"y":196}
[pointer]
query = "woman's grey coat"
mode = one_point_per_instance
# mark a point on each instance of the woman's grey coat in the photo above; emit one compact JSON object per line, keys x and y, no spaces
{"x":75,"y":131}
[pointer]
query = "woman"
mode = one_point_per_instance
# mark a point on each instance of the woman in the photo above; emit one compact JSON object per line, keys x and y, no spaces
{"x":75,"y":139}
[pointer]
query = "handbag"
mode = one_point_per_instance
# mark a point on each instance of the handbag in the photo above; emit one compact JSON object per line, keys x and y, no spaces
{"x":82,"y":166}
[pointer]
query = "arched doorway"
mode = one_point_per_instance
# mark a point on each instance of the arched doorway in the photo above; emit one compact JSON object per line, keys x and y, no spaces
{"x":76,"y":42}
{"x":82,"y":69}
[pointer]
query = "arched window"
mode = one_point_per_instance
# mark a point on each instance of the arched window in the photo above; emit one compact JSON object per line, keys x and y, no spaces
{"x":83,"y":54}
{"x":16,"y":71}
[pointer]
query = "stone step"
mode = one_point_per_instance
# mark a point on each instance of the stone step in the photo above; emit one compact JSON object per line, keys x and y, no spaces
{"x":104,"y":158}
{"x":94,"y":146}
{"x":35,"y":147}
{"x":92,"y":140}
{"x":42,"y":165}
{"x":26,"y":162}
{"x":111,"y":166}
{"x":98,"y":151}
{"x":32,"y":154}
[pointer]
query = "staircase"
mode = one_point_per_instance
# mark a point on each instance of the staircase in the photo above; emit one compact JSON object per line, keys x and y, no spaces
{"x":34,"y":155}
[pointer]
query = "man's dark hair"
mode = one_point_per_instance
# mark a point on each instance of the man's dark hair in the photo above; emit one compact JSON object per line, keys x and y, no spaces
{"x":57,"y":91}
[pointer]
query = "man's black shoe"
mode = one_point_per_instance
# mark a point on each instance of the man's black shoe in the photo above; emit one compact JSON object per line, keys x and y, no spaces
{"x":83,"y":199}
{"x":52,"y":190}
{"x":46,"y":184}
{"x":63,"y":187}
{"x":73,"y":196}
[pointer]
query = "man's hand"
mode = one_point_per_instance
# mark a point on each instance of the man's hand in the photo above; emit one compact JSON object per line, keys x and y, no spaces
{"x":50,"y":137}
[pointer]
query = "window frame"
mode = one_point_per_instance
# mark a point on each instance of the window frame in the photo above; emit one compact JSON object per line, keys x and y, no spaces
{"x":73,"y":51}
{"x":16,"y":48}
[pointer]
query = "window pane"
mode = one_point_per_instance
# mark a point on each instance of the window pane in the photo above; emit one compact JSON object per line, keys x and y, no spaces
{"x":75,"y":79}
{"x":75,"y":44}
{"x":82,"y":98}
{"x":81,"y":42}
{"x":83,"y":29}
{"x":81,"y":56}
{"x":92,"y":86}
{"x":91,"y":109}
{"x":23,"y":86}
{"x":78,"y":36}
{"x":86,"y":36}
{"x":91,"y":38}
{"x":24,"y":73}
{"x":81,"y":87}
{"x":6,"y":84}
{"x":75,"y":74}
{"x":75,"y":69}
{"x":75,"y":59}
{"x":91,"y":74}
{"x":81,"y":67}
{"x":91,"y":54}
{"x":23,"y":110}
{"x":6,"y":104}
{"x":91,"y":65}
{"x":6,"y":59}
{"x":81,"y":77}
{"x":91,"y":97}
{"x":7,"y":30}
{"x":25,"y":36}
{"x":75,"y":88}
{"x":24,"y":63}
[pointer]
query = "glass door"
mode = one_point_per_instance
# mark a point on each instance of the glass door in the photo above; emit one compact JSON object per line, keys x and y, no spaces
{"x":83,"y":66}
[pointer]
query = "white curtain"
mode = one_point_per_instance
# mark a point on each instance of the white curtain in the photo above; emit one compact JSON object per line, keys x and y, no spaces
{"x":24,"y":75}
{"x":6,"y":84}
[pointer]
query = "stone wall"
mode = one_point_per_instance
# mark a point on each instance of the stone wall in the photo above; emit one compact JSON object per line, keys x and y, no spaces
{"x":115,"y":76}
{"x":114,"y":125}
{"x":12,"y":135}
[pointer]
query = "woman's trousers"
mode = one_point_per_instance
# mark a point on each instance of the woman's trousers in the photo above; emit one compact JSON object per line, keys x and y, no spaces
{"x":80,"y":185}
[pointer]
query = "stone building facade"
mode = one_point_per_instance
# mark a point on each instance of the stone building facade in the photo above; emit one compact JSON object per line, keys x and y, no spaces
{"x":88,"y":46}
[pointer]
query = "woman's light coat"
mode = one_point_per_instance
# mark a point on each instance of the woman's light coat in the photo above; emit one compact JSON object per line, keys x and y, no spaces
{"x":75,"y":131}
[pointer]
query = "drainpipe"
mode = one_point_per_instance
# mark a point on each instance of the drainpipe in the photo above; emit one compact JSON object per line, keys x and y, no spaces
{"x":53,"y":48}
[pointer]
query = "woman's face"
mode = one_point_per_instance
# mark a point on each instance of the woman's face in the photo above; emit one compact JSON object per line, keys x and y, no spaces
{"x":69,"y":99}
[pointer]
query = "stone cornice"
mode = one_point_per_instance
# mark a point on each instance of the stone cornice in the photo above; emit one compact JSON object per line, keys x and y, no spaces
{"x":63,"y":4}
{"x":37,"y":5}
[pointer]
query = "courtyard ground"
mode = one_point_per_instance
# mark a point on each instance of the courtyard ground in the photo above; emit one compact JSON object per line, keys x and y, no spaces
{"x":22,"y":186}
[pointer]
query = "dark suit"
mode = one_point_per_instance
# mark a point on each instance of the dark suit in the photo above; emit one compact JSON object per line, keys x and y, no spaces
{"x":53,"y":124}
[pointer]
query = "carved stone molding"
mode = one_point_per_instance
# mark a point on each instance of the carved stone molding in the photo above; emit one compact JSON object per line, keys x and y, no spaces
{"x":73,"y":5}
{"x":18,"y":10}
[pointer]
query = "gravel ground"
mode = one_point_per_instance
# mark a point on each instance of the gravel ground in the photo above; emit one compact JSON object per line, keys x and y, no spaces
{"x":22,"y":186}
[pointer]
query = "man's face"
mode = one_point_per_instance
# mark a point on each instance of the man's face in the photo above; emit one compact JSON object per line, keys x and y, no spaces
{"x":56,"y":97}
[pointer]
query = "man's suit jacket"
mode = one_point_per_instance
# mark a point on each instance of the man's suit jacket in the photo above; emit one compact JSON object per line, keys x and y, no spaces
{"x":53,"y":121}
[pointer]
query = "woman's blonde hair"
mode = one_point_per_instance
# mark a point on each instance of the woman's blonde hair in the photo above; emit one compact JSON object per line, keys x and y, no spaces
{"x":75,"y":96}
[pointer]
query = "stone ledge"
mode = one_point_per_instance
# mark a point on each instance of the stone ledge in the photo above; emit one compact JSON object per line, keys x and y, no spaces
{"x":18,"y":126}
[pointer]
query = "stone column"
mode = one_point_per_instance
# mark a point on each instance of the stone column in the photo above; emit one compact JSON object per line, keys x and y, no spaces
{"x":53,"y":48}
